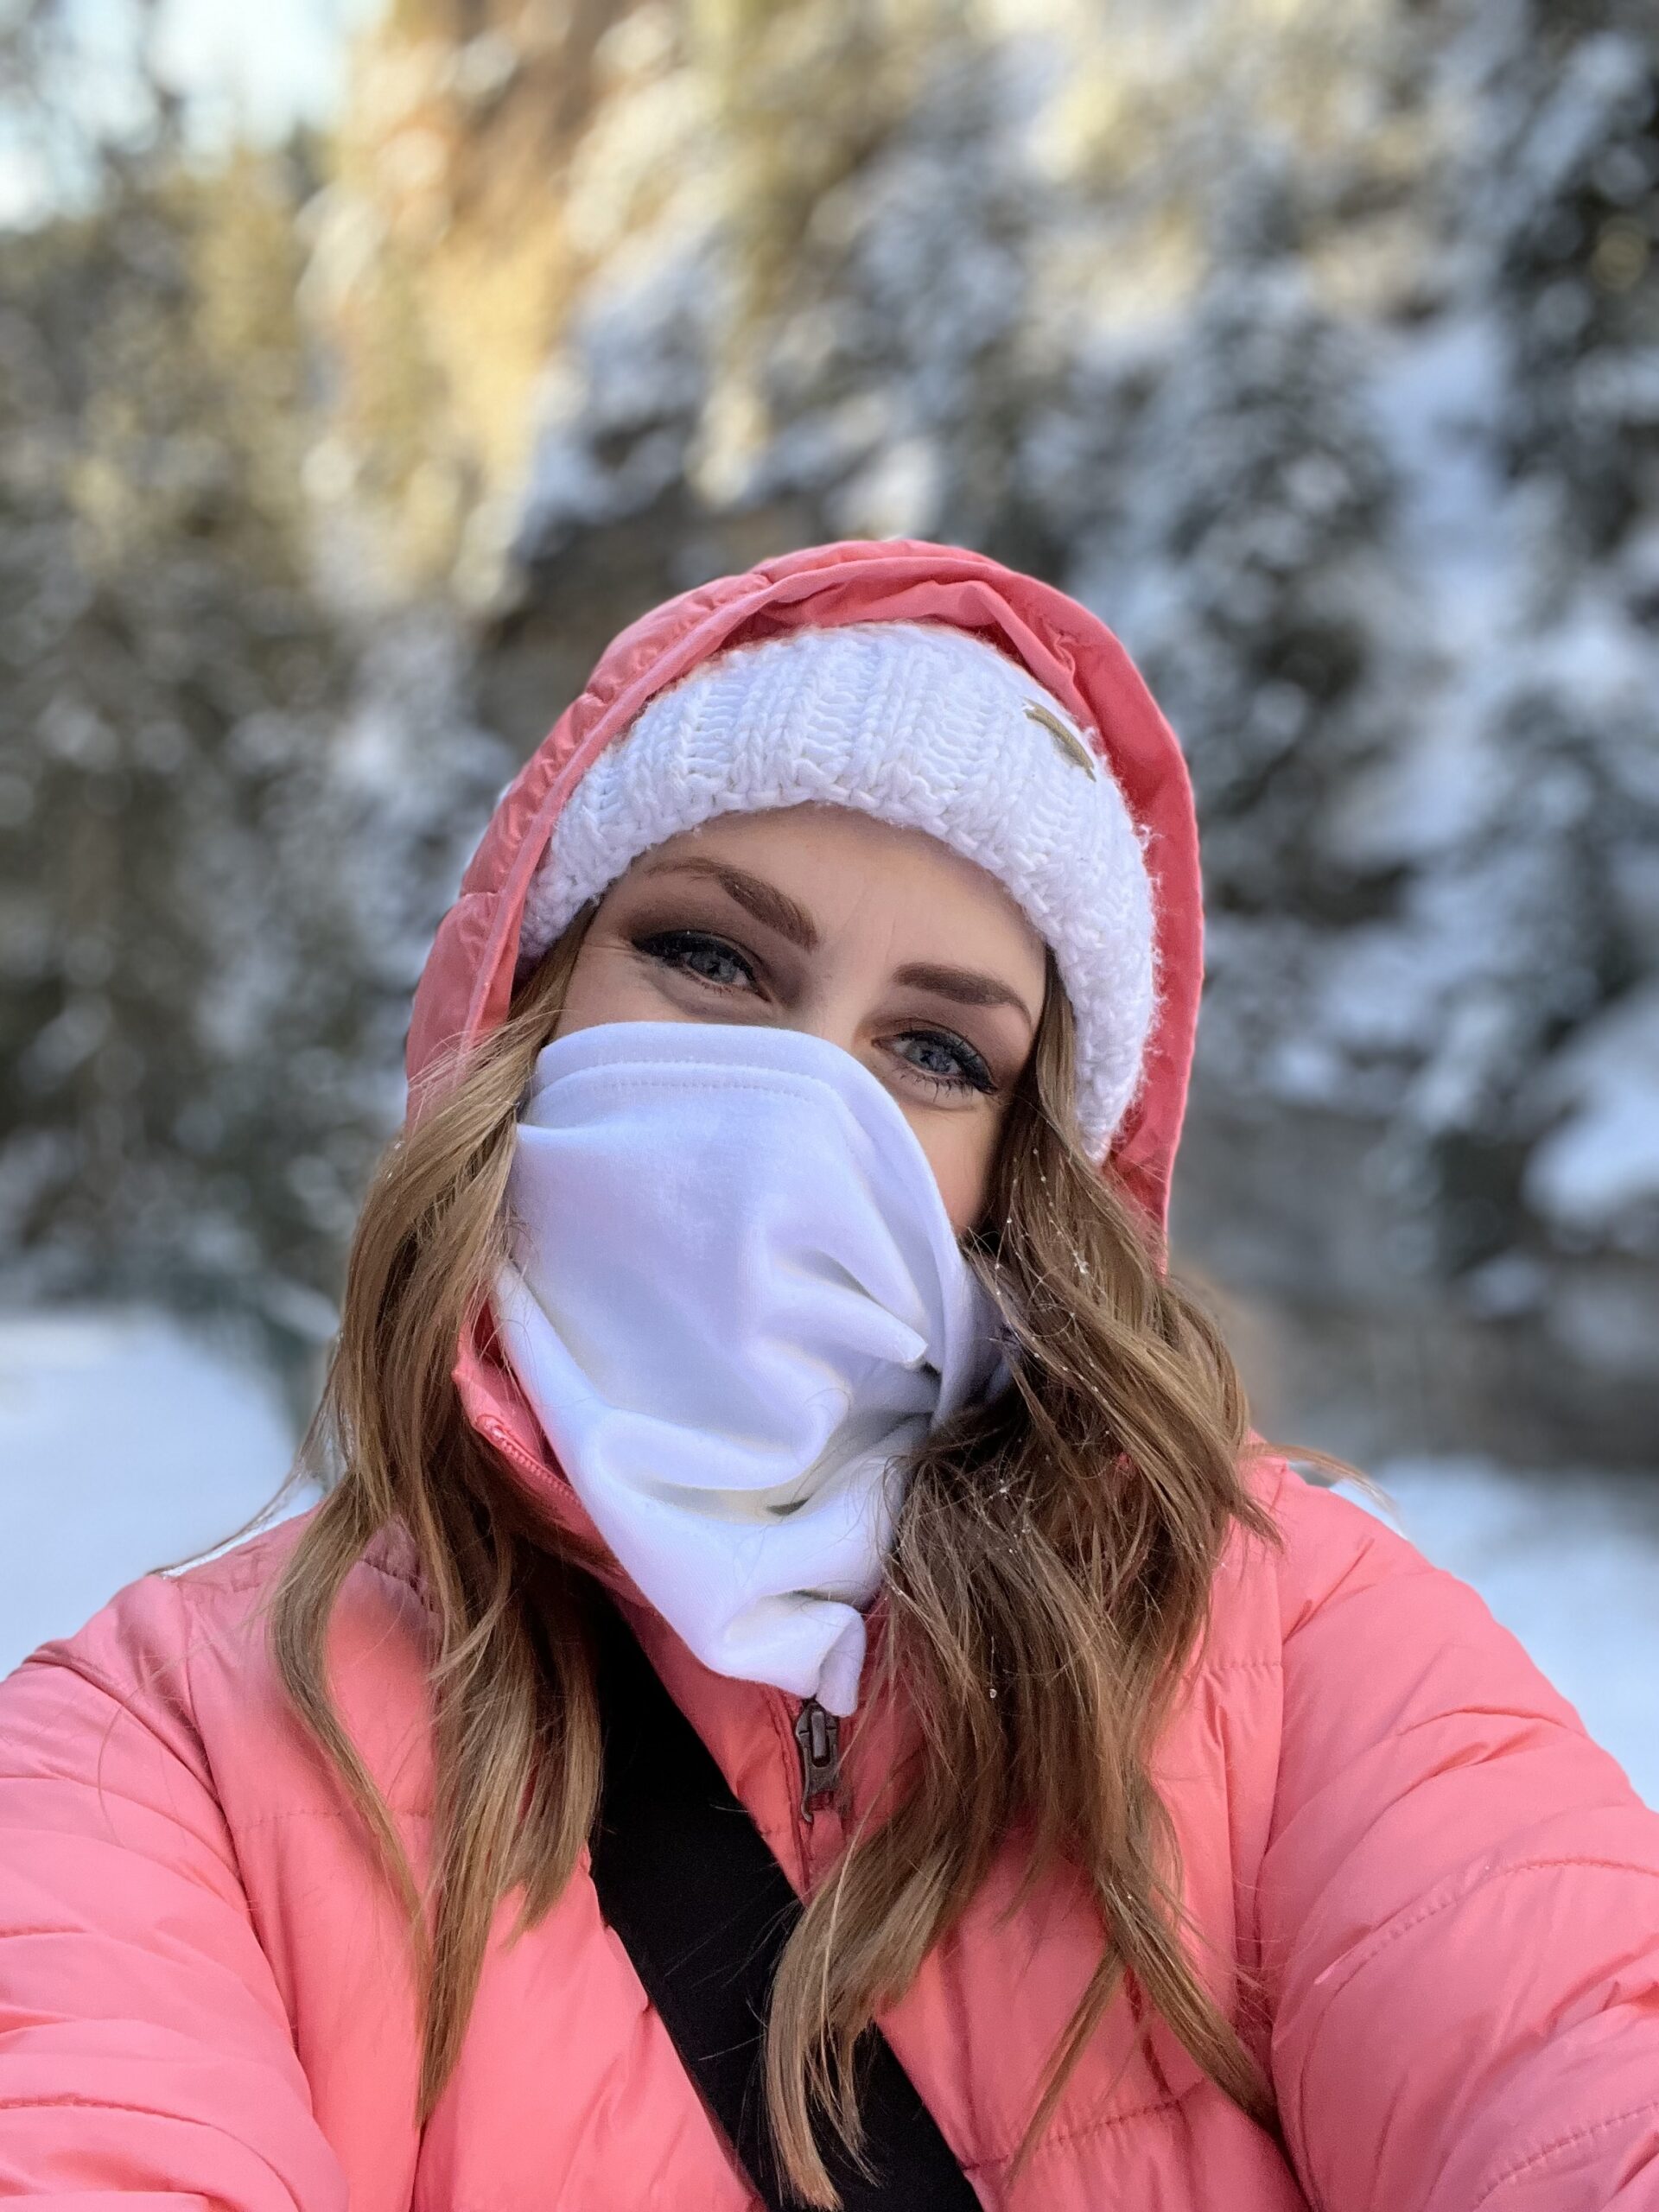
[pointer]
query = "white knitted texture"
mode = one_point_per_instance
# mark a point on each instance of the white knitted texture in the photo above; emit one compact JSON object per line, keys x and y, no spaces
{"x":919,"y":725}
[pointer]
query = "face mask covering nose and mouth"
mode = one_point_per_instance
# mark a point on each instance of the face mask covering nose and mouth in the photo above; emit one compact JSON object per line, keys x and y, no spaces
{"x":735,"y":1301}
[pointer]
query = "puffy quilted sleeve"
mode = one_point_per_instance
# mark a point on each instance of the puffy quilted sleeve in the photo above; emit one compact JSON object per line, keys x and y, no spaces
{"x":1459,"y":1904}
{"x":145,"y":2050}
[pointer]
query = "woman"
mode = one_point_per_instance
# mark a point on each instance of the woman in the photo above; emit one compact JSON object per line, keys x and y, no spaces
{"x":774,"y":1253}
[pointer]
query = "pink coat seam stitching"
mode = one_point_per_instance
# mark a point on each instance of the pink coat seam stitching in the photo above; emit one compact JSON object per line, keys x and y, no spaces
{"x":1386,"y":1938}
{"x":340,"y":1815}
{"x":1547,"y":2151}
{"x":1060,"y":2137}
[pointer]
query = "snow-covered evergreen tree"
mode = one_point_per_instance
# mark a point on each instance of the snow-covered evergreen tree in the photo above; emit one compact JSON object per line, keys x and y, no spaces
{"x":1527,"y":917}
{"x":218,"y":870}
{"x":1562,"y":209}
{"x":1245,"y":566}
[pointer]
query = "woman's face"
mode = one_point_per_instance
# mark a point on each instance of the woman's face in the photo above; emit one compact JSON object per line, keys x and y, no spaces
{"x":880,"y":940}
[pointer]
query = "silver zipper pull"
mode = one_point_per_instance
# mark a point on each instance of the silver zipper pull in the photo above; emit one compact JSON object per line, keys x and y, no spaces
{"x":818,"y":1734}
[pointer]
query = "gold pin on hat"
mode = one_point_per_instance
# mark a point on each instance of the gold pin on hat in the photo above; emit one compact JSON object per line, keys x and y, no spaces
{"x":1070,"y":746}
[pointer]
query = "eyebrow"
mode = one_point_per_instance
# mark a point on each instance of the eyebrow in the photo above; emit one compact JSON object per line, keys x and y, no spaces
{"x":966,"y":985}
{"x":757,"y":897}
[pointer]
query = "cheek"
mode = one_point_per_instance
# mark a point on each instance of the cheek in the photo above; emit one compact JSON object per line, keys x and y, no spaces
{"x":606,"y":985}
{"x":960,"y":1150}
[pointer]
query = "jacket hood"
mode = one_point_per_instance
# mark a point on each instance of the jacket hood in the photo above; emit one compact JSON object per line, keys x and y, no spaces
{"x":466,"y":983}
{"x":466,"y":980}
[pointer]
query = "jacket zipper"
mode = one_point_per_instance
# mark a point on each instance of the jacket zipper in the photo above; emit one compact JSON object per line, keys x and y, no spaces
{"x":818,"y":1734}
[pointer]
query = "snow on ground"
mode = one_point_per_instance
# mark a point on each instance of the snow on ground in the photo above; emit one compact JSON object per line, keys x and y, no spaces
{"x":125,"y":1445}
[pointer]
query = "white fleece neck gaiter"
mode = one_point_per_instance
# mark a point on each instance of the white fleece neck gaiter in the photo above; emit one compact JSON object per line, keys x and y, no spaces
{"x":735,"y":1299}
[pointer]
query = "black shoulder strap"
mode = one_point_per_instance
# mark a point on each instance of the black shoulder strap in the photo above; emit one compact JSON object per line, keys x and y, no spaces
{"x":688,"y":1883}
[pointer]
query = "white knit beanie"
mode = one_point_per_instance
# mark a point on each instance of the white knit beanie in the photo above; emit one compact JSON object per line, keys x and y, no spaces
{"x":923,"y":726}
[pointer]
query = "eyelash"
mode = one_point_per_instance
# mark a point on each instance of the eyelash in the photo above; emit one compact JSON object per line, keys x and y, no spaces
{"x":673,"y":948}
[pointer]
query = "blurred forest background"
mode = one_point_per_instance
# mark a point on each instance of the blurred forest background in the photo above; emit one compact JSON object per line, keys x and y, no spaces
{"x":1312,"y":343}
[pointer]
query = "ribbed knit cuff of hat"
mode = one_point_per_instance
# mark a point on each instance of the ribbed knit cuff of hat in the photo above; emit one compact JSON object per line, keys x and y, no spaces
{"x":921,"y":725}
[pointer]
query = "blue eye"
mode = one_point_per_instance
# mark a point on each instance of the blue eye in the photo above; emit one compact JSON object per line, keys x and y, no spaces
{"x":949,"y":1063}
{"x":696,"y":953}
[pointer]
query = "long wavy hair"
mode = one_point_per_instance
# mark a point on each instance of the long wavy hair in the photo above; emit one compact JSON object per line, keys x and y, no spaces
{"x":1049,"y":1581}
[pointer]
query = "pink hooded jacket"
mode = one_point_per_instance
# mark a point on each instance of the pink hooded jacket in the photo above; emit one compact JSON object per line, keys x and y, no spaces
{"x":1451,"y":1893}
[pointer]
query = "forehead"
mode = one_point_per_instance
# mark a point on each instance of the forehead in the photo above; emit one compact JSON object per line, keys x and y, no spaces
{"x":846,"y":865}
